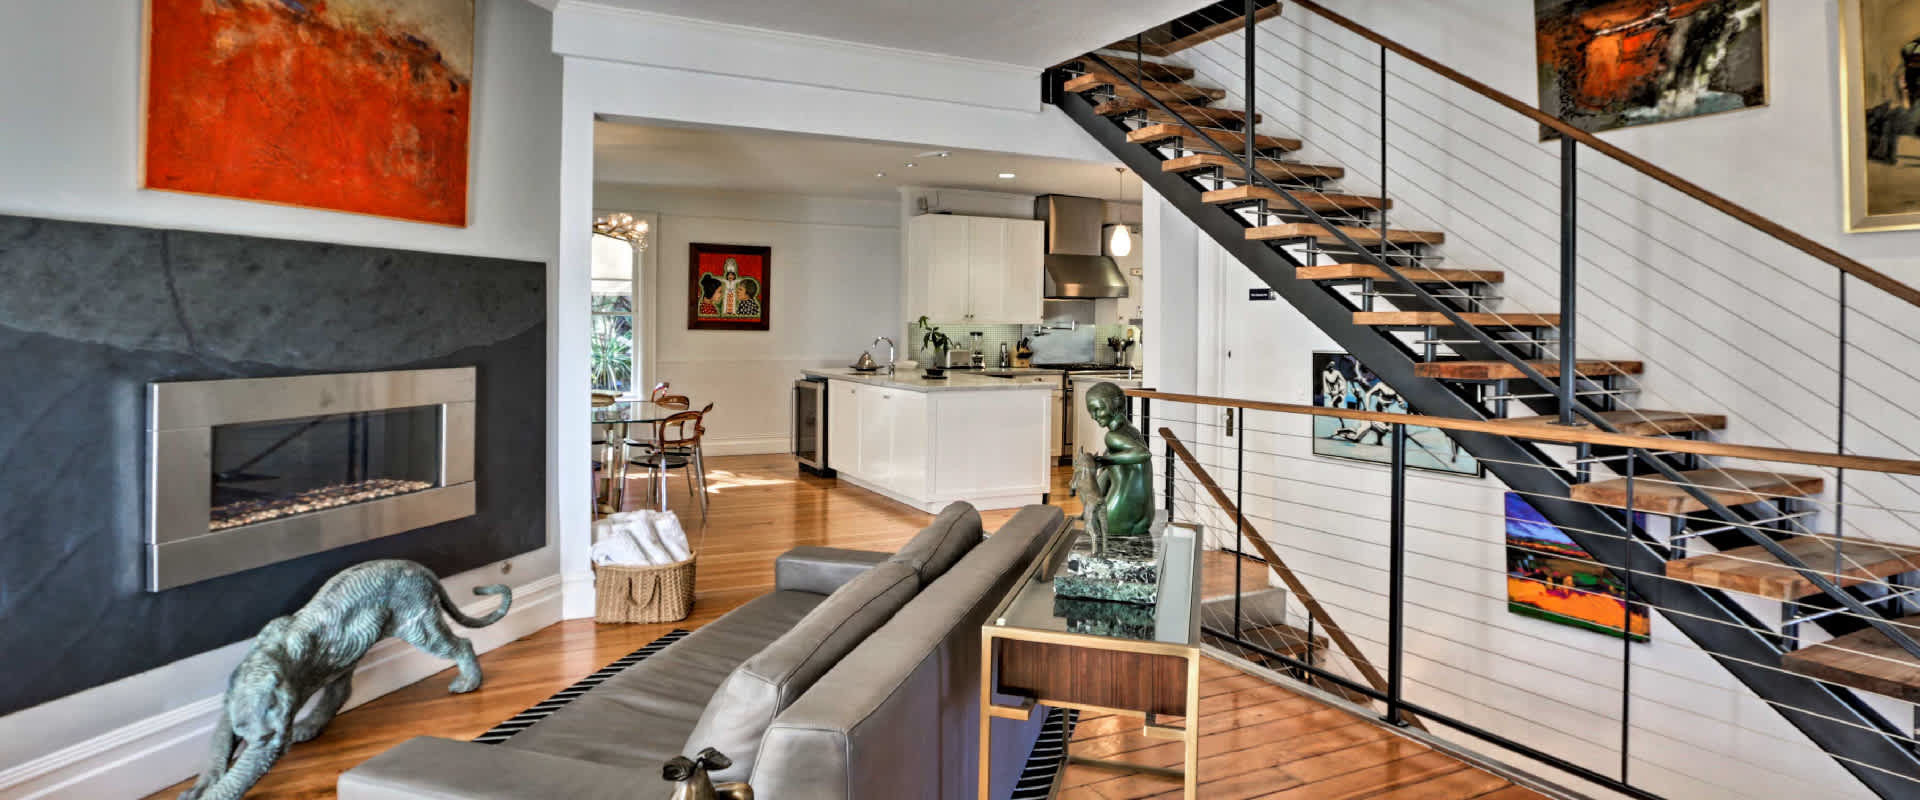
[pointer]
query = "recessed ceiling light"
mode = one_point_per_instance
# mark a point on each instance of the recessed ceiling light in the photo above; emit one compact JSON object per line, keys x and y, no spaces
{"x":943,"y":154}
{"x":1007,"y":176}
{"x":879,"y":174}
{"x":911,"y":165}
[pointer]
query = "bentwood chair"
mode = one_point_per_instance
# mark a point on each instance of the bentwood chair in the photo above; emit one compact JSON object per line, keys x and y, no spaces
{"x":677,"y":446}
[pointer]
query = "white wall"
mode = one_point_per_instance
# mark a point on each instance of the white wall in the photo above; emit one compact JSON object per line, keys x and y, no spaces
{"x":69,"y":147}
{"x":1727,"y":320}
{"x":836,"y":286}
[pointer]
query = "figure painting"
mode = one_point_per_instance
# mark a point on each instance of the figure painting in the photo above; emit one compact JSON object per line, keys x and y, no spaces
{"x":1550,"y":577}
{"x":1607,"y":64}
{"x":730,"y":287}
{"x":1341,"y":381}
{"x":1880,"y":113}
{"x":348,"y":105}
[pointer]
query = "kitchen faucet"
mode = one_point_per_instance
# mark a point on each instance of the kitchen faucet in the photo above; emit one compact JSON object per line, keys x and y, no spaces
{"x":890,"y":352}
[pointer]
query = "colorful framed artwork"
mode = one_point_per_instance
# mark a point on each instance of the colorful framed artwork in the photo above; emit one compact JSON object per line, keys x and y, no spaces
{"x":1880,"y":113}
{"x":730,"y":287}
{"x":1549,"y":577}
{"x":347,"y":105}
{"x":1341,"y":381}
{"x":1606,"y":64}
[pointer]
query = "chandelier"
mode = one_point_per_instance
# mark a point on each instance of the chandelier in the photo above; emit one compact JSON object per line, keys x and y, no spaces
{"x":625,"y":227}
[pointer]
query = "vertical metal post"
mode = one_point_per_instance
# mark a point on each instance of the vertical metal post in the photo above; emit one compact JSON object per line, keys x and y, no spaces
{"x":1569,"y":201}
{"x":1239,"y":514}
{"x":1396,"y":574}
{"x":1168,"y":491}
{"x":1247,"y":130}
{"x":1380,"y":214}
{"x":1626,"y":630}
{"x":1840,"y":440}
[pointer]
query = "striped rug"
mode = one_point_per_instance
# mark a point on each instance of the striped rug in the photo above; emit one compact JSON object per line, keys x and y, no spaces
{"x":521,"y":721}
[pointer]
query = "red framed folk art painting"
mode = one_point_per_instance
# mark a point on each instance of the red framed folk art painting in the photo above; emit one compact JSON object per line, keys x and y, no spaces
{"x":346,"y":105}
{"x":731,"y":287}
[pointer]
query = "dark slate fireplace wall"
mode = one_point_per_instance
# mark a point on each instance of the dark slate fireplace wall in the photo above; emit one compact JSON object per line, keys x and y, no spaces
{"x":90,"y":314}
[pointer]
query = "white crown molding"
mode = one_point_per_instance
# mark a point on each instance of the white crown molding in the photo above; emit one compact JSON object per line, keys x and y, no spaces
{"x":148,"y":755}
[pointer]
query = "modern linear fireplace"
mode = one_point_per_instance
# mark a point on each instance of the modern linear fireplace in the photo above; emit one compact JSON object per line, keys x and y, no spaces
{"x":252,"y":472}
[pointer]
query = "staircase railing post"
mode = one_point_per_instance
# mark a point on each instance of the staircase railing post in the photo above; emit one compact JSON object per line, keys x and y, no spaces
{"x":1239,"y":513}
{"x":1396,"y":574}
{"x":1380,"y":214}
{"x":1840,"y":446}
{"x":1626,"y":632}
{"x":1247,"y":130}
{"x":1569,"y":284}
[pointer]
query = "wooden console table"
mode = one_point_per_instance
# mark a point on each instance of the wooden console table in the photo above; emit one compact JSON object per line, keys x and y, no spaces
{"x":1044,"y":651}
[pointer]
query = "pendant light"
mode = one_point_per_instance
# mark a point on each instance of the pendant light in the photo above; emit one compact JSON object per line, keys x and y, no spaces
{"x":1121,"y":243}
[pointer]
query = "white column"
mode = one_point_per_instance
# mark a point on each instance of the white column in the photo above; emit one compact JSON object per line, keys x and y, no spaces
{"x":569,"y":282}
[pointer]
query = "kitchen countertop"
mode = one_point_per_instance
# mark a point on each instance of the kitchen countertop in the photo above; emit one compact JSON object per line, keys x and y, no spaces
{"x":956,"y":381}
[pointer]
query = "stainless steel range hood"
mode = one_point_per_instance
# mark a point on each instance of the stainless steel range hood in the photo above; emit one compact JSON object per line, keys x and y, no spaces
{"x":1076,"y":263}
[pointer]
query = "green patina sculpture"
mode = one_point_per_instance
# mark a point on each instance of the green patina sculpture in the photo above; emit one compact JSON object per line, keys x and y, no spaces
{"x":1124,"y":474}
{"x":314,"y":650}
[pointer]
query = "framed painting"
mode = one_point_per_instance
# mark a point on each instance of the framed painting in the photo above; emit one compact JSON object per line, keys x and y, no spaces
{"x":1606,"y":64}
{"x":1551,"y":578}
{"x":1880,"y":113}
{"x":730,"y":287}
{"x":1341,"y":381}
{"x":347,"y":105}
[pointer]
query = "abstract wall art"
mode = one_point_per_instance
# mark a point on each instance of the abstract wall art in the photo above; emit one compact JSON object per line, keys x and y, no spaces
{"x":730,"y":287}
{"x":1550,"y":577}
{"x":1880,"y":113}
{"x":346,"y":105}
{"x":1607,"y":64}
{"x":1341,"y":381}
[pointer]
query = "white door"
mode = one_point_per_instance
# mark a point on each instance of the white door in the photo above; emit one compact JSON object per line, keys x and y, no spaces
{"x":843,"y":426}
{"x":949,"y":285}
{"x":875,"y":436}
{"x":986,"y":263}
{"x":908,"y":426}
{"x":1024,"y":254}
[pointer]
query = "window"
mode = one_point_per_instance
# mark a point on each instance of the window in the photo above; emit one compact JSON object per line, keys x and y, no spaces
{"x":613,"y":297}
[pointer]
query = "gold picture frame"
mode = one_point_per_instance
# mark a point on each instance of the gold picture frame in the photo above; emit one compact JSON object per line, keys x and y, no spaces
{"x":1861,"y":64}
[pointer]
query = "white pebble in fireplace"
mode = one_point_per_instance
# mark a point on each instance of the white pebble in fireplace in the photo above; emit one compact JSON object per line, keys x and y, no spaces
{"x":246,"y":473}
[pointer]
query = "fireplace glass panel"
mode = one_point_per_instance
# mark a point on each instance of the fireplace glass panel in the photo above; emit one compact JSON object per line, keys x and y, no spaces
{"x":265,"y":471}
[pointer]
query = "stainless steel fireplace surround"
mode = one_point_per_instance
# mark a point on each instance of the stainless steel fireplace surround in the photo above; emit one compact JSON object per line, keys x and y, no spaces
{"x":245,"y":473}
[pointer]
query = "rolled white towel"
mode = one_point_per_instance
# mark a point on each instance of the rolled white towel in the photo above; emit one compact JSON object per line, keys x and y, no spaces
{"x":641,"y":531}
{"x":618,"y":549}
{"x":666,"y":526}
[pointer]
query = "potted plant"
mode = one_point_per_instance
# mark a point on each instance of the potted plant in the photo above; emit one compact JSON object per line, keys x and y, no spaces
{"x":932,"y":339}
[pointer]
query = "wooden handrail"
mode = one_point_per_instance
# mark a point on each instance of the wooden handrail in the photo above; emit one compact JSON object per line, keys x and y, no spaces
{"x":1819,"y":251}
{"x":1314,"y":609}
{"x":1583,"y":434}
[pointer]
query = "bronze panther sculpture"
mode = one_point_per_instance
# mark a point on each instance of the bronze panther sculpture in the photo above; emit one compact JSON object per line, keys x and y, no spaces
{"x":314,"y":650}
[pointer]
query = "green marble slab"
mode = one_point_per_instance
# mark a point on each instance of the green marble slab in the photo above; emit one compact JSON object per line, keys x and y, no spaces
{"x":1105,"y":617}
{"x":1126,"y":570}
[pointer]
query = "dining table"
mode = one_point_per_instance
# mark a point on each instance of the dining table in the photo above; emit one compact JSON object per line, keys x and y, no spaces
{"x":619,"y":419}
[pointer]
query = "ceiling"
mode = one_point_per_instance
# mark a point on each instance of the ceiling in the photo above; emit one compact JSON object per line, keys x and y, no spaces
{"x":1029,"y":33}
{"x":788,"y":163}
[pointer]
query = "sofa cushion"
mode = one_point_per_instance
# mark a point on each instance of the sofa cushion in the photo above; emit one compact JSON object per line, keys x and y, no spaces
{"x":933,"y":550}
{"x":765,"y":684}
{"x":642,"y":716}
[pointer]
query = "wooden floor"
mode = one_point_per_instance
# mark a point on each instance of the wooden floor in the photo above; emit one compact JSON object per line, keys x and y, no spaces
{"x":1259,"y":740}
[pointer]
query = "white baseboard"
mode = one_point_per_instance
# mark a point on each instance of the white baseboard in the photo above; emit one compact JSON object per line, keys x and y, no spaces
{"x":748,"y":445}
{"x":139,"y":759}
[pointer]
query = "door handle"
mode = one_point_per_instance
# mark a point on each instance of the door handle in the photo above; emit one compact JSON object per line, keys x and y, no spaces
{"x":1229,"y":422}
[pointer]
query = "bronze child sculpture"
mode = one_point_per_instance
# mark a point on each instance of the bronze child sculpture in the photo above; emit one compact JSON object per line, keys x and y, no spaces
{"x":1125,"y":471}
{"x":315,"y":649}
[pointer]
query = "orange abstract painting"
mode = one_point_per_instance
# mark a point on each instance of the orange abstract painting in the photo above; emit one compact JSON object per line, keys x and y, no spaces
{"x":349,"y":105}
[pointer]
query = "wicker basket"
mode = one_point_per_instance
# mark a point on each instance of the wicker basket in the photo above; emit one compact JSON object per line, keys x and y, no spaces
{"x":643,"y":594}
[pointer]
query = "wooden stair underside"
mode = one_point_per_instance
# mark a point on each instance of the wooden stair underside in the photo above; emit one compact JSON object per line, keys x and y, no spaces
{"x":1202,"y":36}
{"x":1347,"y":272}
{"x":1435,"y":319}
{"x":1752,"y":570}
{"x":1645,"y":422}
{"x":1503,"y":371}
{"x":1865,"y":660}
{"x":1273,"y":170}
{"x":1730,"y":487}
{"x":1190,"y":140}
{"x":1361,"y":236}
{"x":1321,"y":202}
{"x":1172,"y":92}
{"x":1142,"y":70}
{"x":1199,"y":115}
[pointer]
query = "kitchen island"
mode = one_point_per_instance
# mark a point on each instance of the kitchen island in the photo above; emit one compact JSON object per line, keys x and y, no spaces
{"x":929,"y":442}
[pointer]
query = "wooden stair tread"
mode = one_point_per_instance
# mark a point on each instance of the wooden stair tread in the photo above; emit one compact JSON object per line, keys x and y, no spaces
{"x":1318,"y":201}
{"x":1273,"y":170}
{"x":1308,"y":230}
{"x":1148,"y":70}
{"x":1198,"y":115}
{"x":1753,"y":570}
{"x":1865,"y":660}
{"x":1730,"y":487}
{"x":1333,"y":272}
{"x":1202,"y":36}
{"x":1645,"y":422}
{"x":1160,"y":89}
{"x":1232,"y":140}
{"x":1500,"y":370}
{"x":1483,"y":319}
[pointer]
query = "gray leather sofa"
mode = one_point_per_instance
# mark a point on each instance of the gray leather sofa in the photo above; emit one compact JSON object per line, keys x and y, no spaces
{"x":857,"y":677}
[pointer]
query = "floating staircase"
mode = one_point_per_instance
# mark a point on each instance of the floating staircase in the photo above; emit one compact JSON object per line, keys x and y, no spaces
{"x":1466,"y":359}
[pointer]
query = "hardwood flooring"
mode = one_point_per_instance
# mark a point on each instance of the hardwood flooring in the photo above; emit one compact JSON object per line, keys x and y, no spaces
{"x":1259,"y":740}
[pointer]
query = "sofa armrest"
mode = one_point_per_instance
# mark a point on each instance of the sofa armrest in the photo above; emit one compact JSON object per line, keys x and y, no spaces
{"x":821,"y":570}
{"x":428,"y":768}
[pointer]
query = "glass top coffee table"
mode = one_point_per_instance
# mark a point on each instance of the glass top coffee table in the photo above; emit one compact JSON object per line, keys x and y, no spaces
{"x":1134,"y":659}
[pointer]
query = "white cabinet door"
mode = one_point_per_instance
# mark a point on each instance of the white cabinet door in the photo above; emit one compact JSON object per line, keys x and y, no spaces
{"x":986,"y":249}
{"x":1023,"y":271}
{"x":1058,"y":432}
{"x":909,"y":431}
{"x":948,"y":267}
{"x":843,"y":426}
{"x":875,"y":436}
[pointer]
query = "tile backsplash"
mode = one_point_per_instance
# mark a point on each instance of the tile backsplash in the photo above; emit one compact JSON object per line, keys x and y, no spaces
{"x":1051,"y":344}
